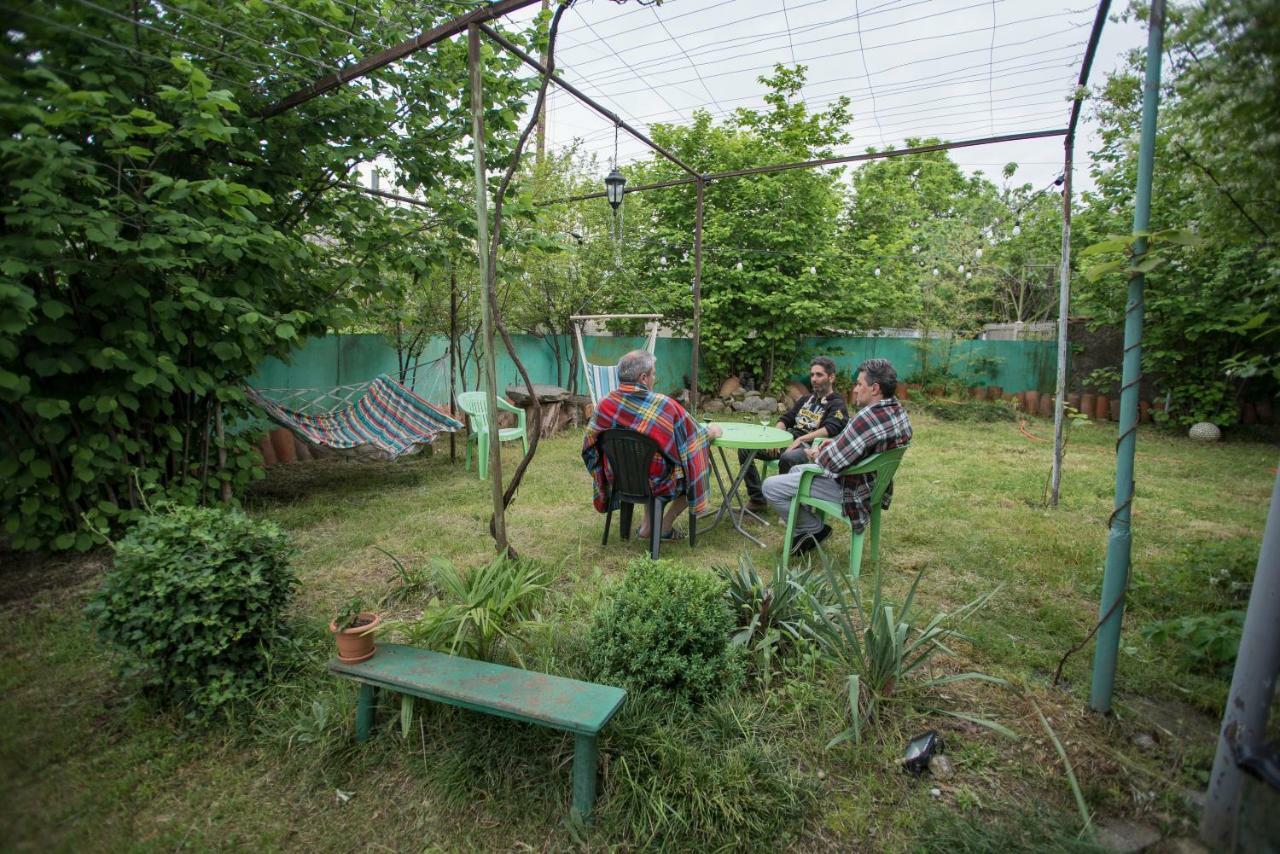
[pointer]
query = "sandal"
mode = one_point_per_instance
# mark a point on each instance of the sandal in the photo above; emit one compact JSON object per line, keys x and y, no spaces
{"x":673,"y":534}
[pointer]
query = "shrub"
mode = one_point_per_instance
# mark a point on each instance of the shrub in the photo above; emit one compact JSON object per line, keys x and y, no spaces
{"x":193,"y":602}
{"x":667,"y":628}
{"x":1208,"y":642}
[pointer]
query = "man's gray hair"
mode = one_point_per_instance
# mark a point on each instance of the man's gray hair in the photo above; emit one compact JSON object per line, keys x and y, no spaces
{"x":635,"y":363}
{"x":880,"y":371}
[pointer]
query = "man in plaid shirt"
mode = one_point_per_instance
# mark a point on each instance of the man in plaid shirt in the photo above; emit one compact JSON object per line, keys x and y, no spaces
{"x":880,"y":425}
{"x":635,"y":406}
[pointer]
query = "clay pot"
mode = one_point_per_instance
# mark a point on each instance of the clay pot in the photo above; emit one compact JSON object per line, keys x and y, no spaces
{"x":977,"y":392}
{"x":729,"y":386}
{"x":1101,"y":409}
{"x":994,"y":392}
{"x":1113,"y":408}
{"x":268,"y":452}
{"x":301,"y":450}
{"x":356,"y":643}
{"x":1046,"y":405}
{"x":1144,"y":412}
{"x":282,"y":441}
{"x":1031,"y":402}
{"x":1073,"y":400}
{"x":931,"y":391}
{"x":1088,"y":403}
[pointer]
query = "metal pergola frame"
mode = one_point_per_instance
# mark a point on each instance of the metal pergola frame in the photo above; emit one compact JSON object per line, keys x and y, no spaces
{"x":1115,"y":583}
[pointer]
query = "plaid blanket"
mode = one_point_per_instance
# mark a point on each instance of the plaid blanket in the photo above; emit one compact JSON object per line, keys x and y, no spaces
{"x":665,"y":421}
{"x":387,"y":421}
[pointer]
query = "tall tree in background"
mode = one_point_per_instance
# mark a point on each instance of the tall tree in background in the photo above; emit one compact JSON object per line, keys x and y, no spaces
{"x":158,"y":240}
{"x":1212,"y":329}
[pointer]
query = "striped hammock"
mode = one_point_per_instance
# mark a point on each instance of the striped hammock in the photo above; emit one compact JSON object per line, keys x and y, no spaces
{"x":386,"y":421}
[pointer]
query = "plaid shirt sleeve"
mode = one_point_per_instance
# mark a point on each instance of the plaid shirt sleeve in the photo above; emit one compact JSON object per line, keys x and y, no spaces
{"x":876,"y":428}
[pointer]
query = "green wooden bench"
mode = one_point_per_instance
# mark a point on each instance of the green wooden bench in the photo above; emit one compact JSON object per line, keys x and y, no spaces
{"x":581,"y":708}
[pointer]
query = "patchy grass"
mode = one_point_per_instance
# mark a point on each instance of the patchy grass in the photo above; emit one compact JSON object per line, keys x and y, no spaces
{"x":89,"y":764}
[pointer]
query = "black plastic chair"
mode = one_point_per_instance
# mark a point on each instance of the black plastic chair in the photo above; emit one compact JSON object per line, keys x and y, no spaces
{"x":628,"y":455}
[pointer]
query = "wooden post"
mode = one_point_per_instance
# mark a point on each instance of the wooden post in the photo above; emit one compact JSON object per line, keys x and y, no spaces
{"x":697,"y":295}
{"x":225,"y":488}
{"x":453,"y":355}
{"x":489,"y":369}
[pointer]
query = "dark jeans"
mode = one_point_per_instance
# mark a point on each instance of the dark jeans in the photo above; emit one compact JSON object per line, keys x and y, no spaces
{"x":785,"y":462}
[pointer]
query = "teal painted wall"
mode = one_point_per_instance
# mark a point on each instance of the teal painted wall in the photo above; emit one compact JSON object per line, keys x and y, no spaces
{"x":336,"y":360}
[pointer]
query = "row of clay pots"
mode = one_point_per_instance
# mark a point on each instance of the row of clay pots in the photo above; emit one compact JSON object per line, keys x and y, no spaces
{"x":1096,"y":407}
{"x":281,"y":446}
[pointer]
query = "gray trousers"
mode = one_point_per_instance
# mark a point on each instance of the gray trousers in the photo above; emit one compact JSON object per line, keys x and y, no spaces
{"x":781,"y":488}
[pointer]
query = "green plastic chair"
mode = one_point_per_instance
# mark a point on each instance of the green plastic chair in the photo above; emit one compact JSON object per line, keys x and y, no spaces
{"x":476,"y":406}
{"x":884,"y":465}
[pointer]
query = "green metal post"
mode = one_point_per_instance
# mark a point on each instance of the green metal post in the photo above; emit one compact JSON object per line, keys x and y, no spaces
{"x":1115,"y":579}
{"x":584,"y":775}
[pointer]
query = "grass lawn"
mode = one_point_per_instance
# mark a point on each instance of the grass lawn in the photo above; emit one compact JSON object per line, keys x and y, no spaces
{"x":88,"y":763}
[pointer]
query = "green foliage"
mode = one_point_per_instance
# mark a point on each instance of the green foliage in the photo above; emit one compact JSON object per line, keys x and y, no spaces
{"x":1211,"y":330}
{"x":775,"y":618}
{"x":666,"y":628}
{"x":193,"y":603}
{"x":882,"y":644}
{"x":983,"y":411}
{"x":349,"y":614}
{"x":485,"y":613}
{"x":1207,"y":642}
{"x":160,"y":240}
{"x":410,"y":582}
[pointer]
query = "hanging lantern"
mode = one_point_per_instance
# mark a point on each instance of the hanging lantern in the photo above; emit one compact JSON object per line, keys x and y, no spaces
{"x":613,"y":188}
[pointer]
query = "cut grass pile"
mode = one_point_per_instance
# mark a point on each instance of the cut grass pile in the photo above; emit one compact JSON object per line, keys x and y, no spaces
{"x":89,"y":764}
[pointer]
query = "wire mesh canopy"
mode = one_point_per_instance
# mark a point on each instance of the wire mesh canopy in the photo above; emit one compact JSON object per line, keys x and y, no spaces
{"x":602,"y":379}
{"x":380,"y":419}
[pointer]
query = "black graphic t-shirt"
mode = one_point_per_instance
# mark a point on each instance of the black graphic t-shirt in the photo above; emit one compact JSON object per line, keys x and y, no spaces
{"x":810,"y":412}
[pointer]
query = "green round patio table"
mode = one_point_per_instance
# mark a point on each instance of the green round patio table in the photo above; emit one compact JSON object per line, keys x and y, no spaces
{"x":751,"y":438}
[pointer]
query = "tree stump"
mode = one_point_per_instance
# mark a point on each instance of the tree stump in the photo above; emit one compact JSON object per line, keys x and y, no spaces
{"x":555,"y":403}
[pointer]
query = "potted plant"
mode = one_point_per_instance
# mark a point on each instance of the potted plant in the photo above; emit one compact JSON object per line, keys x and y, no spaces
{"x":353,"y":630}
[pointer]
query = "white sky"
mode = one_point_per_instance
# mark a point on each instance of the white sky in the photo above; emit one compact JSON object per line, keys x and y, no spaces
{"x":956,"y":69}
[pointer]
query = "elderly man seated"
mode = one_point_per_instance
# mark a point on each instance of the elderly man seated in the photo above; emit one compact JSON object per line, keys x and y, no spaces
{"x":880,"y":425}
{"x":634,"y":405}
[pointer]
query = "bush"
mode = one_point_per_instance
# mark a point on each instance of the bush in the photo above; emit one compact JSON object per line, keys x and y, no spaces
{"x":666,"y":628}
{"x":194,"y":601}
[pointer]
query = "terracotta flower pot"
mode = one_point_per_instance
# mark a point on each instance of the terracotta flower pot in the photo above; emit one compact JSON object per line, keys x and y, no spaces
{"x":1073,"y":400}
{"x":356,"y":643}
{"x":267,"y":450}
{"x":301,"y":450}
{"x":1113,"y":408}
{"x":1046,"y":406}
{"x":1088,"y":403}
{"x":282,"y":441}
{"x":1031,"y":402}
{"x":977,"y":392}
{"x":994,"y":392}
{"x":1101,"y":408}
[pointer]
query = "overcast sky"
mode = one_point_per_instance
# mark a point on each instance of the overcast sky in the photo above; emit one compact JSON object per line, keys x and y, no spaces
{"x":956,"y":69}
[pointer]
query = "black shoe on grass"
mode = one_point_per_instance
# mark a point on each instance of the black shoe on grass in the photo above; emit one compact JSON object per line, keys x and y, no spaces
{"x":803,"y":543}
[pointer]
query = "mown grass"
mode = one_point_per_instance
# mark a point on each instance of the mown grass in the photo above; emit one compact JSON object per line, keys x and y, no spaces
{"x":89,"y":764}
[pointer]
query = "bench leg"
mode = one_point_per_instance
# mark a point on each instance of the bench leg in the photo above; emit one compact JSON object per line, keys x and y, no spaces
{"x":364,"y":711}
{"x":584,"y":775}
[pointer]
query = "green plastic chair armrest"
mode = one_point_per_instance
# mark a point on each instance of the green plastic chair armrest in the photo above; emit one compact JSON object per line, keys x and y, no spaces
{"x":521,"y":414}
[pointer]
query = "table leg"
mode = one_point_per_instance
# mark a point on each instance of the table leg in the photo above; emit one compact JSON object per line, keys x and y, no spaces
{"x":731,"y":494}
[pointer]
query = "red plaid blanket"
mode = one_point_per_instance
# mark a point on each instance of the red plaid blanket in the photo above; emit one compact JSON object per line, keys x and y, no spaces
{"x":665,"y":421}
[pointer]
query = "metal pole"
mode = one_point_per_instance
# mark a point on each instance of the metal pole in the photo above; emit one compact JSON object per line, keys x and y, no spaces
{"x":1064,"y":307}
{"x":1115,"y":579}
{"x":1244,"y":722}
{"x":697,"y":295}
{"x":453,"y":355}
{"x":489,"y":367}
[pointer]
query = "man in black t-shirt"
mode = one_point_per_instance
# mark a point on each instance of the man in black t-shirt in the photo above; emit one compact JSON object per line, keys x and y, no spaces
{"x":817,"y":415}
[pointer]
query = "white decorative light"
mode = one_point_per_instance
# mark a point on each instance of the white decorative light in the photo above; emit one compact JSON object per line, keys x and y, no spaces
{"x":935,"y":271}
{"x":968,"y":275}
{"x":960,"y":269}
{"x":662,"y":259}
{"x":877,"y":271}
{"x":914,"y":249}
{"x":739,"y":266}
{"x":1017,"y":229}
{"x":813,"y":271}
{"x":977,"y":253}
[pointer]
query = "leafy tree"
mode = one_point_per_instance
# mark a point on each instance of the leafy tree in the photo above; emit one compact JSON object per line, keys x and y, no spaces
{"x":1212,"y":325}
{"x":158,"y":240}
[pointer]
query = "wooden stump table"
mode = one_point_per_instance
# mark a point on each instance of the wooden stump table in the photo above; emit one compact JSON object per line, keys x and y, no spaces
{"x":555,"y":403}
